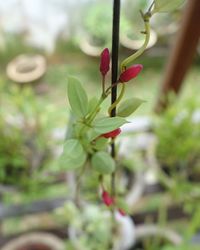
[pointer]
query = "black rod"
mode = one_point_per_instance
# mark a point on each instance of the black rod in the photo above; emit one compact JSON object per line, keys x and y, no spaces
{"x":114,"y":76}
{"x":115,"y":50}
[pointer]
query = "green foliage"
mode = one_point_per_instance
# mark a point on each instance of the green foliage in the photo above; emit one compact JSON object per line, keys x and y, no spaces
{"x":84,"y":140}
{"x":129,"y":106}
{"x":92,"y":103}
{"x":97,"y":22}
{"x":93,"y":223}
{"x":101,"y":143}
{"x":130,"y":12}
{"x":107,"y":124}
{"x":12,"y":45}
{"x":77,"y":97}
{"x":167,"y":6}
{"x":178,"y":132}
{"x":25,"y":132}
{"x":103,"y":163}
{"x":185,"y":246}
{"x":73,"y":155}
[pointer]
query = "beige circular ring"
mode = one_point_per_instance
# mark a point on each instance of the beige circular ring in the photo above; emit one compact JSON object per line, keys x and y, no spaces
{"x":47,"y":239}
{"x":26,"y":68}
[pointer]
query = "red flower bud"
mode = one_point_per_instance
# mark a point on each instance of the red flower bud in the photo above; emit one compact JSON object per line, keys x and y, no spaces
{"x":105,"y":62}
{"x":130,"y":73}
{"x":121,"y":212}
{"x":112,"y":134}
{"x":107,"y":199}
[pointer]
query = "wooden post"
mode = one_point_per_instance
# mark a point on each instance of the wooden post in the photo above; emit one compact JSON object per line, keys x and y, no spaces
{"x":182,"y":54}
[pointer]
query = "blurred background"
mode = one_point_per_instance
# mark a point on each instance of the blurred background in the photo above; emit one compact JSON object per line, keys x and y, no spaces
{"x":41,"y":44}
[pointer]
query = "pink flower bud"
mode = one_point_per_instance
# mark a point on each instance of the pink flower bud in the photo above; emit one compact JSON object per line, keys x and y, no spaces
{"x":121,"y":212}
{"x":112,"y":134}
{"x":130,"y":73}
{"x":107,"y":199}
{"x":105,"y":62}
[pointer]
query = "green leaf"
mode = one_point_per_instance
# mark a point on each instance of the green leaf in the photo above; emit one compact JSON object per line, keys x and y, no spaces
{"x":92,"y":134}
{"x":77,"y":97}
{"x":92,"y":104}
{"x":167,"y":5}
{"x":103,"y":162}
{"x":129,"y":106}
{"x":107,"y":124}
{"x":78,"y":127}
{"x":73,"y":155}
{"x":101,"y":143}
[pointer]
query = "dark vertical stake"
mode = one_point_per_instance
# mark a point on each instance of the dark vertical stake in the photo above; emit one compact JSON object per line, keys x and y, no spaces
{"x":115,"y":56}
{"x":115,"y":50}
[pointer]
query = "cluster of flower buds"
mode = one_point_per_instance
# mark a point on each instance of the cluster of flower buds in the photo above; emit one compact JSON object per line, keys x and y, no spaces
{"x":110,"y":201}
{"x":126,"y":75}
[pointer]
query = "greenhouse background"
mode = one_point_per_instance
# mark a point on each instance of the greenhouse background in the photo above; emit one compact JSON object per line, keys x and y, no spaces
{"x":43,"y":45}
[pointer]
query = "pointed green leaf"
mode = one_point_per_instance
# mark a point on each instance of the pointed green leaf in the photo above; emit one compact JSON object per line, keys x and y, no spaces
{"x":73,"y":155}
{"x":103,"y":162}
{"x":107,"y":124}
{"x":129,"y":106}
{"x":77,"y":97}
{"x":167,"y":5}
{"x":92,"y":104}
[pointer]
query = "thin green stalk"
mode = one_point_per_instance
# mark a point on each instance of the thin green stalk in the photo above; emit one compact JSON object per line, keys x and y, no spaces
{"x":87,"y":122}
{"x":103,"y":84}
{"x":95,"y":110}
{"x":107,"y":92}
{"x":118,"y":99}
{"x":131,"y":58}
{"x":78,"y":184}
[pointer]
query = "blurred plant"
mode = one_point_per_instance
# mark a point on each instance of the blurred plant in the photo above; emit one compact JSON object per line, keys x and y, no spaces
{"x":178,"y":133}
{"x":25,"y":131}
{"x":92,"y":226}
{"x":97,"y":23}
{"x":131,"y":11}
{"x":12,"y":46}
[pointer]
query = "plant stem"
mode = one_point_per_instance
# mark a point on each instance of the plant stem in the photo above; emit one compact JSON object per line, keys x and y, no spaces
{"x":131,"y":58}
{"x":107,"y":92}
{"x":117,"y":100}
{"x":78,"y":184}
{"x":115,"y":57}
{"x":87,"y":122}
{"x":103,"y":85}
{"x":95,"y":111}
